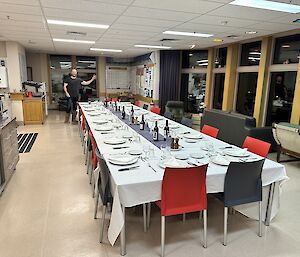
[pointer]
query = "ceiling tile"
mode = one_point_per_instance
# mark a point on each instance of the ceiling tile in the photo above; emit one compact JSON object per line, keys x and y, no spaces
{"x":16,"y":8}
{"x":147,"y":21}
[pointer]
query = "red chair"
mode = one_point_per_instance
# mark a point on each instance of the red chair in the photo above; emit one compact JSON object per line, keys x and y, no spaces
{"x":114,"y":99}
{"x":137,"y":103}
{"x":257,"y":146}
{"x":155,"y":110}
{"x":210,"y":131}
{"x":183,"y":191}
{"x":93,"y":159}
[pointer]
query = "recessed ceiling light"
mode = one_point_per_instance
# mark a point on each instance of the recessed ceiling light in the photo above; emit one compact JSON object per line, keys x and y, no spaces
{"x":218,"y":40}
{"x":73,"y":41}
{"x":189,"y":34}
{"x":251,"y":32}
{"x":78,"y":24}
{"x":152,"y":46}
{"x":105,"y":50}
{"x":285,"y":46}
{"x":268,"y":5}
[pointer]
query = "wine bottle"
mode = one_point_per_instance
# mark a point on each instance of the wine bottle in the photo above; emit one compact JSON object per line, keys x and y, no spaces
{"x":166,"y":130}
{"x":116,"y":106}
{"x":155,"y":132}
{"x":132,"y":115}
{"x":142,"y":123}
{"x":123,"y":113}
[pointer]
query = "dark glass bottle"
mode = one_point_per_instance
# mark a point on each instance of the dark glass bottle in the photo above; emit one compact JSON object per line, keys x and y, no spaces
{"x":132,"y":115}
{"x":142,"y":123}
{"x":123,"y":113}
{"x":166,"y":130}
{"x":155,"y":132}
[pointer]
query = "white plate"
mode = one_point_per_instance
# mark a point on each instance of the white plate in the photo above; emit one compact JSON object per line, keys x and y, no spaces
{"x":181,"y":156}
{"x":89,"y":110}
{"x":120,"y":163}
{"x":190,"y":140}
{"x":104,"y":128}
{"x":135,"y":152}
{"x":114,"y":141}
{"x":197,"y":155}
{"x":94,"y":114}
{"x":220,"y":160}
{"x":100,"y":122}
{"x":192,"y":136}
{"x":127,"y":135}
{"x":236,"y":152}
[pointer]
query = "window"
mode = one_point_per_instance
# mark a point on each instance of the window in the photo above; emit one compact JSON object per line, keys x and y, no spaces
{"x":218,"y":90}
{"x":281,"y":96}
{"x":60,"y":62}
{"x":221,"y":56}
{"x":250,"y":54}
{"x":86,"y":62}
{"x":246,"y":93}
{"x":287,"y":50}
{"x":194,"y":59}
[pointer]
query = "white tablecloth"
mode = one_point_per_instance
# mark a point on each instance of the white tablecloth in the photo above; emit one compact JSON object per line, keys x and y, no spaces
{"x":143,"y":185}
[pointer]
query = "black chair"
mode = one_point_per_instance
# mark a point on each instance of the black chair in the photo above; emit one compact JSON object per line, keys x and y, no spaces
{"x":168,"y":115}
{"x":242,"y":185}
{"x":103,"y":190}
{"x":145,"y":106}
{"x":187,"y":122}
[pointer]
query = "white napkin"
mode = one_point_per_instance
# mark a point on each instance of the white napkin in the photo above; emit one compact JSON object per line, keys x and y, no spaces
{"x":219,"y":159}
{"x":173,"y":163}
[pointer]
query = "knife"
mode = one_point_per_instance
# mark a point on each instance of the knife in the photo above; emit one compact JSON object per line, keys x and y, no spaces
{"x":128,"y":168}
{"x":120,"y":147}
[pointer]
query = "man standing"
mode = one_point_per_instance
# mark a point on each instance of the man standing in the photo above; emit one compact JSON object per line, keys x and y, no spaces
{"x":72,"y":85}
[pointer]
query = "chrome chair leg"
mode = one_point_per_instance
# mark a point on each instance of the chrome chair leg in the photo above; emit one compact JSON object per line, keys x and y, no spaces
{"x":205,"y":228}
{"x":183,"y":217}
{"x":96,"y":205}
{"x":260,"y":218}
{"x":148,"y":215}
{"x":102,"y":223}
{"x":225,"y":225}
{"x":95,"y":189}
{"x":163,"y":232}
{"x":123,"y":236}
{"x":145,"y":216}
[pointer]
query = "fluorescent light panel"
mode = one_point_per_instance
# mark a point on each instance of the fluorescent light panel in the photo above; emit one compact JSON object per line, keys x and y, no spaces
{"x":152,"y":46}
{"x":105,"y":50}
{"x":188,"y":34}
{"x":268,"y":5}
{"x":73,"y":41}
{"x":200,"y":61}
{"x":78,"y":24}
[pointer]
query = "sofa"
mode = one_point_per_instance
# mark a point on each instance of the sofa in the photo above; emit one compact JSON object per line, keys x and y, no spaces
{"x":287,"y":136}
{"x":234,"y":127}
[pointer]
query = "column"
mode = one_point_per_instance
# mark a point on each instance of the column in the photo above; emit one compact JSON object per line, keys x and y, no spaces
{"x":295,"y":117}
{"x":101,"y":76}
{"x":209,"y":78}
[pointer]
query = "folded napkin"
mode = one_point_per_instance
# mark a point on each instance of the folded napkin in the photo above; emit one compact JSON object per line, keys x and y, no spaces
{"x":174,"y":164}
{"x":221,"y":160}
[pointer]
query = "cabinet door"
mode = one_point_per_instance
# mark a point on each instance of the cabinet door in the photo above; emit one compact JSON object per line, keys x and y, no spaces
{"x":32,"y":111}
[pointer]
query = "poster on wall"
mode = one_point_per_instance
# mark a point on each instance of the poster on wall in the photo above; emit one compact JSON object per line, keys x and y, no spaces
{"x":144,"y":80}
{"x":117,"y":77}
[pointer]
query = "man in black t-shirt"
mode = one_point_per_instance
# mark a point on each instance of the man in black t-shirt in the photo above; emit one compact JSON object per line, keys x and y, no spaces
{"x":72,"y":85}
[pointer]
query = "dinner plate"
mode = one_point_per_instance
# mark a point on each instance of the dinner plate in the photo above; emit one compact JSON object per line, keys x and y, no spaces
{"x":192,"y":136}
{"x":104,"y":128}
{"x":114,"y":141}
{"x":182,"y":156}
{"x":236,"y":152}
{"x":171,"y":164}
{"x":127,"y":135}
{"x":220,"y":160}
{"x":122,"y":161}
{"x":94,"y":114}
{"x":197,"y":155}
{"x":89,"y":110}
{"x":100,"y":122}
{"x":135,"y":152}
{"x":190,"y":140}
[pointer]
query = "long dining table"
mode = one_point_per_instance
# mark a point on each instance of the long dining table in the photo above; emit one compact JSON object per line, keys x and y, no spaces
{"x":142,"y":184}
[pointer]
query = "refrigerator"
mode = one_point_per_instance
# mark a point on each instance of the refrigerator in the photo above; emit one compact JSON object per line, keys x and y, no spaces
{"x":3,"y":77}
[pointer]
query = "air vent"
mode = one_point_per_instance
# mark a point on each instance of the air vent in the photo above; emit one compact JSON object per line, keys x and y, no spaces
{"x":168,"y":39}
{"x":76,"y":33}
{"x":233,"y":36}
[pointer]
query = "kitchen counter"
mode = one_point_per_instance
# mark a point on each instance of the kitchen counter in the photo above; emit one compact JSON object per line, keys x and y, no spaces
{"x":4,"y":122}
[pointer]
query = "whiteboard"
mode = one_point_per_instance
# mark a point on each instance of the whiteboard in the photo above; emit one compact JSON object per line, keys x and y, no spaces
{"x":117,"y":77}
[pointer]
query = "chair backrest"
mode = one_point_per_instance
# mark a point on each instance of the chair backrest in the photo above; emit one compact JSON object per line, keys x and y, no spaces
{"x":94,"y":147}
{"x":210,"y":131}
{"x":183,"y":190}
{"x":257,"y":146}
{"x":145,"y":106}
{"x":243,"y":183}
{"x":187,"y":122}
{"x":155,"y":110}
{"x":137,"y":103}
{"x":176,"y":108}
{"x":114,"y":99}
{"x":169,"y":115}
{"x":103,"y":180}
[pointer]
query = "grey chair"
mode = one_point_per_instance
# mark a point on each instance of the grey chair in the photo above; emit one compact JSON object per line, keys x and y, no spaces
{"x":145,"y":106}
{"x":187,"y":122}
{"x":242,"y":185}
{"x":168,"y":115}
{"x":176,"y":108}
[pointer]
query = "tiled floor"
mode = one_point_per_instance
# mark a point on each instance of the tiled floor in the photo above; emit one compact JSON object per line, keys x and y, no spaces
{"x":47,"y":211}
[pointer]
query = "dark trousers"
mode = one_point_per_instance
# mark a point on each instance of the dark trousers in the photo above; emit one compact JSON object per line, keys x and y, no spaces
{"x":72,"y":106}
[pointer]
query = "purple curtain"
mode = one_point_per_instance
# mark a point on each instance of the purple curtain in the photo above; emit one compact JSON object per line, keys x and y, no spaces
{"x":169,"y":81}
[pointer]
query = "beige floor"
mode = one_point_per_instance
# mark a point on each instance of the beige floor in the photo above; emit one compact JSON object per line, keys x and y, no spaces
{"x":47,"y":211}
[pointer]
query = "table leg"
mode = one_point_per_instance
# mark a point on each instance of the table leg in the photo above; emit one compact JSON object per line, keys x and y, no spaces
{"x":123,"y":238}
{"x":269,"y":204}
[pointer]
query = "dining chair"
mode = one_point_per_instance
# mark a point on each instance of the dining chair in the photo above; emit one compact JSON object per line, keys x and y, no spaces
{"x":210,"y":131}
{"x":155,"y":110}
{"x":257,"y":146}
{"x":92,"y":164}
{"x":145,"y":106}
{"x":137,"y":103}
{"x":168,"y":115}
{"x":183,"y":191}
{"x":187,"y":122}
{"x":242,"y":185}
{"x":103,"y":191}
{"x":114,"y":99}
